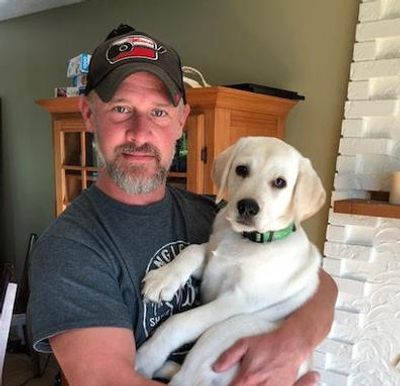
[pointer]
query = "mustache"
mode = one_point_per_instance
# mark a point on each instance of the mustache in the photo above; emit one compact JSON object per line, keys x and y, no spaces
{"x":132,"y":148}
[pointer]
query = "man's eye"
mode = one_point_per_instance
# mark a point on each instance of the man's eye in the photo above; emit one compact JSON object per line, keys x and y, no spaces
{"x":121,"y":109}
{"x":159,"y":113}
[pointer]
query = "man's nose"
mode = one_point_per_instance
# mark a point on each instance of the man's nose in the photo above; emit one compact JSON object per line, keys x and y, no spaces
{"x":138,"y":130}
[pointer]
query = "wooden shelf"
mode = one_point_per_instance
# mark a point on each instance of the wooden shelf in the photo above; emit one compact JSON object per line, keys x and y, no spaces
{"x":73,"y":167}
{"x":367,"y":208}
{"x":78,"y":177}
{"x":177,"y":174}
{"x":60,"y":105}
{"x":80,"y":168}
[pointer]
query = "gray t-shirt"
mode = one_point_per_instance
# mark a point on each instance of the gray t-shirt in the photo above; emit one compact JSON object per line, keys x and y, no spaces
{"x":87,"y":267}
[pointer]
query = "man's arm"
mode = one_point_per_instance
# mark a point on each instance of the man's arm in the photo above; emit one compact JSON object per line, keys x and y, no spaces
{"x":98,"y":356}
{"x":273,"y":359}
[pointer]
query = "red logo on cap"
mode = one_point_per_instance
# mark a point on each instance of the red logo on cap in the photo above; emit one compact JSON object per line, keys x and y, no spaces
{"x":134,"y":46}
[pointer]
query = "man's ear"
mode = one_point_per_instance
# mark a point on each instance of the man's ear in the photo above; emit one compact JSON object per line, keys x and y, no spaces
{"x":87,"y":113}
{"x":184,"y":115}
{"x":183,"y":118}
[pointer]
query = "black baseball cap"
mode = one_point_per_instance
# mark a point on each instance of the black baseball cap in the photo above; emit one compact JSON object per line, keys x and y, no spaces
{"x":126,"y":51}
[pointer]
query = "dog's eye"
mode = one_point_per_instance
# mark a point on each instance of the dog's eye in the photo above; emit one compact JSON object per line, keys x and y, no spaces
{"x":279,"y":183}
{"x":242,"y":170}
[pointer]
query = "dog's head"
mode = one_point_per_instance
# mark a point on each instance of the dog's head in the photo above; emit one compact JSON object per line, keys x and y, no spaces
{"x":269,"y":184}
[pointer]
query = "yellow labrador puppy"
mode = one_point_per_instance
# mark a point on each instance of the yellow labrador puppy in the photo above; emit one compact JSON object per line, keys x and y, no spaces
{"x":257,"y":267}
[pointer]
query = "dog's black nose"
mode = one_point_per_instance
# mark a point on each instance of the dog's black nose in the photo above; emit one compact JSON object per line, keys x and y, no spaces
{"x":247,"y":207}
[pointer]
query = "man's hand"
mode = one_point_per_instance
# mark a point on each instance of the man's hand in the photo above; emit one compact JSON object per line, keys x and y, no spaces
{"x":269,"y":359}
{"x":309,"y":379}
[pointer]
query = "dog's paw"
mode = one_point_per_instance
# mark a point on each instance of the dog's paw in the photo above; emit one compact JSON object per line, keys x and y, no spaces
{"x":161,"y":284}
{"x":178,"y":380}
{"x":168,"y":370}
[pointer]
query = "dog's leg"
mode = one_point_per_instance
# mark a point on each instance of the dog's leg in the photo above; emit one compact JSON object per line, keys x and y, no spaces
{"x":197,"y":367}
{"x":161,"y":284}
{"x":186,"y":327}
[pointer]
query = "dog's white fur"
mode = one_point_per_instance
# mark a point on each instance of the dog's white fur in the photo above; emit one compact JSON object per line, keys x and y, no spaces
{"x":247,"y":287}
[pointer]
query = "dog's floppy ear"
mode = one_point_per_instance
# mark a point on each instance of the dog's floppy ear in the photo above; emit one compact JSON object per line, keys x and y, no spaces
{"x":309,"y":193}
{"x":221,"y":167}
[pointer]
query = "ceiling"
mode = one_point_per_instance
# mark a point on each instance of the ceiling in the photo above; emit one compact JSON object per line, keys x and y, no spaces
{"x":10,"y":9}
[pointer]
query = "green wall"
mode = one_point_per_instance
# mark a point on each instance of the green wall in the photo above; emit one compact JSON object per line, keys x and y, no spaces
{"x":301,"y":45}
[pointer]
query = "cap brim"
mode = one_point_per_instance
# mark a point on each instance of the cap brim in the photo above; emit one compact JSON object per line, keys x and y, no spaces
{"x":109,"y":85}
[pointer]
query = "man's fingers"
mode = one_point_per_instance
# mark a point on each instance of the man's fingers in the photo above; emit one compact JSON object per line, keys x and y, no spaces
{"x":309,"y":379}
{"x":231,"y":356}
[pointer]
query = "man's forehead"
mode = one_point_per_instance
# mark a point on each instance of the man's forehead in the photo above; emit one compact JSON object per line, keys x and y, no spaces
{"x":145,"y":77}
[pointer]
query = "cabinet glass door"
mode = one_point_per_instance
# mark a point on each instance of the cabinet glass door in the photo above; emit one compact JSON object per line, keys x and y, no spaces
{"x":187,"y":170}
{"x":76,"y":157}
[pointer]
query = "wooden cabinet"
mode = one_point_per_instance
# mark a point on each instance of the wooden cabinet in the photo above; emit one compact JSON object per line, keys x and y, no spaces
{"x":219,"y":116}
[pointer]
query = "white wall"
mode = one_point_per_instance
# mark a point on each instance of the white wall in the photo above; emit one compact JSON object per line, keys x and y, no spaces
{"x":362,"y":253}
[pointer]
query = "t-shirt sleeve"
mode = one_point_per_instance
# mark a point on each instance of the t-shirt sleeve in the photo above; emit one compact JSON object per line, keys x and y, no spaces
{"x":72,"y":286}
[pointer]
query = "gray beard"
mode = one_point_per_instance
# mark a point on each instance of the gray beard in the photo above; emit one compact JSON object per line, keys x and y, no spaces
{"x":132,"y":178}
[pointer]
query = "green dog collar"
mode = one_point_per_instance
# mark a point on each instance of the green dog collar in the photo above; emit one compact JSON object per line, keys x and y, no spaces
{"x":269,"y":236}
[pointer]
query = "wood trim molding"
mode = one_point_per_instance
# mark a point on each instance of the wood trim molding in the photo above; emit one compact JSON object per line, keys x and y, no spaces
{"x":367,"y":208}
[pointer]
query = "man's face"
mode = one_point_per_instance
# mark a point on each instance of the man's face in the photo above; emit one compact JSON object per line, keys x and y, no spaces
{"x":136,"y":132}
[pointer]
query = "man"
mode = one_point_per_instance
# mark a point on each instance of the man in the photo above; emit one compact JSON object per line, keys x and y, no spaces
{"x":87,"y":268}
